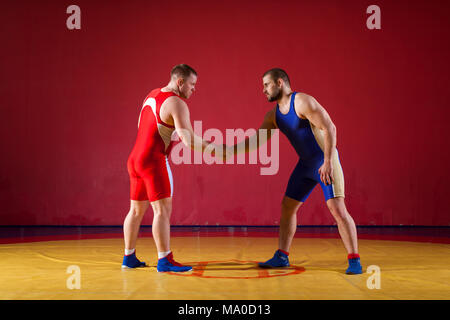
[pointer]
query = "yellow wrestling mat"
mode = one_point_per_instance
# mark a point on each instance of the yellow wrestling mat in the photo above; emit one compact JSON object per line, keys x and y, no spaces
{"x":224,"y":268}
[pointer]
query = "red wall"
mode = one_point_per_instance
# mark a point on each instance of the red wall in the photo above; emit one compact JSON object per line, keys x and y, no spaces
{"x":70,"y":100}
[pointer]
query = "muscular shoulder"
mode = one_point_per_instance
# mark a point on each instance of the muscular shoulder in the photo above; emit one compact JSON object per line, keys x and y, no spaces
{"x":270,"y":114}
{"x":175,"y":104}
{"x":270,"y":118}
{"x":175,"y":101}
{"x":304,"y":103}
{"x":303,"y":99}
{"x":173,"y":108}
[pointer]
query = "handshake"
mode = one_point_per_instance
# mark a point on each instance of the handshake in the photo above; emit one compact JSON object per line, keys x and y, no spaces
{"x":223,"y":151}
{"x":215,"y":151}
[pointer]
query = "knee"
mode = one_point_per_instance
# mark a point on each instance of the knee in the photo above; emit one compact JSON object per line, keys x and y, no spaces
{"x":138,"y":211}
{"x":163,"y":210}
{"x":339,"y":214}
{"x":289,"y":206}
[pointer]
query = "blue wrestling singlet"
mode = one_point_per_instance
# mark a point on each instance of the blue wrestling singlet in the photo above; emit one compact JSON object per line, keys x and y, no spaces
{"x":308,"y":142}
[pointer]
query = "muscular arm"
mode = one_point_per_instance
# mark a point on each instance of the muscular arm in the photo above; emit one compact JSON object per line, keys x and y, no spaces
{"x":179,"y":112}
{"x":261,"y":137}
{"x":319,"y":117}
{"x":309,"y":107}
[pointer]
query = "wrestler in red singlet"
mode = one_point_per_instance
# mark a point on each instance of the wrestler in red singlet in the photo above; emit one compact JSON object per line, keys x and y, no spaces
{"x":148,"y":166}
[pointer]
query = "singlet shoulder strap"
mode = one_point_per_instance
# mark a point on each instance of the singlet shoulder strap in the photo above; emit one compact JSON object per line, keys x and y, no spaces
{"x":292,"y":99}
{"x":160,"y":98}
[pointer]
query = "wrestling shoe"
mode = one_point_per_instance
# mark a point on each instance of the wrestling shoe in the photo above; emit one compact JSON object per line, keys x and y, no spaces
{"x":354,"y":266}
{"x":130,"y":261}
{"x":279,"y":260}
{"x":167,"y":264}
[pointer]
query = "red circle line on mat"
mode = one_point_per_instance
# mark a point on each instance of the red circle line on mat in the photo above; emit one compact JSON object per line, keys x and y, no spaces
{"x":200,"y":268}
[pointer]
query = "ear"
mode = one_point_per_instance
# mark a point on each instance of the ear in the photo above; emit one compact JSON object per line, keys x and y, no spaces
{"x":180,"y":81}
{"x":280,"y":82}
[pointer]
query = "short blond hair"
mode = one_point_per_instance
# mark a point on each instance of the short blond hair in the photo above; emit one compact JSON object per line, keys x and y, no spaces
{"x":182,"y":70}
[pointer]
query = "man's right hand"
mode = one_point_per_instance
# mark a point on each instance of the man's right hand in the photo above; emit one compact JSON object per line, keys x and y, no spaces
{"x":228,"y":152}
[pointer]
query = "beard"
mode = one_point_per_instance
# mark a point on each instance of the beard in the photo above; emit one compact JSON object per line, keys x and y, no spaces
{"x":275,"y":96}
{"x":184,"y":95}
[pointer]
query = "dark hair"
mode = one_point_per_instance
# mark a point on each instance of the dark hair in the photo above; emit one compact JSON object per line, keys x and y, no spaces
{"x":277,"y":73}
{"x":182,"y":70}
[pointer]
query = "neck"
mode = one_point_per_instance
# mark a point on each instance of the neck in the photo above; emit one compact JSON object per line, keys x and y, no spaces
{"x":285,"y":97}
{"x":171,"y":87}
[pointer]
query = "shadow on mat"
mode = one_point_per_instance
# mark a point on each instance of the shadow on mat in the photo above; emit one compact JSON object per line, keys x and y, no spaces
{"x":231,"y":265}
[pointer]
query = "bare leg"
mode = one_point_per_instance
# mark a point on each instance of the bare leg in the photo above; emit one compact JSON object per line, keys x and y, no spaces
{"x":162,"y":210}
{"x":345,"y":223}
{"x":133,"y":222}
{"x":288,"y":222}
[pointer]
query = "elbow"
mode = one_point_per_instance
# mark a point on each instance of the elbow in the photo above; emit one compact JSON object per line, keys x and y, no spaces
{"x":186,"y":137}
{"x":185,"y":140}
{"x":333,"y":128}
{"x":330,"y":130}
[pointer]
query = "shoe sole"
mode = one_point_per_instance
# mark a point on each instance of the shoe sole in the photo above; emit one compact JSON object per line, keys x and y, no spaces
{"x":174,"y":271}
{"x":272,"y":267}
{"x":127,"y":267}
{"x":353,"y":272}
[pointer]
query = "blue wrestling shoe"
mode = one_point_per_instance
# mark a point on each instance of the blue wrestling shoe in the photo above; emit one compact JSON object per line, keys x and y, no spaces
{"x":279,"y":260}
{"x":131,"y":261}
{"x":354,"y":266}
{"x":167,"y":264}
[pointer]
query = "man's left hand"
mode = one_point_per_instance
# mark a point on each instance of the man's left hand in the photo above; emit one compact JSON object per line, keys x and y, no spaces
{"x":326,"y":172}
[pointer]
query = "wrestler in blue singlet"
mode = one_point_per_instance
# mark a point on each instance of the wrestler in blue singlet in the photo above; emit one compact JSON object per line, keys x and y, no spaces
{"x":306,"y":173}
